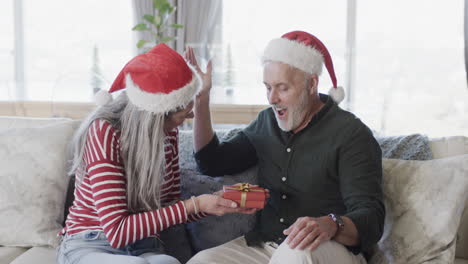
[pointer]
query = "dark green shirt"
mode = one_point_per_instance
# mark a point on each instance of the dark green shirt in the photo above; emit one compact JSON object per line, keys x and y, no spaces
{"x":333,"y":165}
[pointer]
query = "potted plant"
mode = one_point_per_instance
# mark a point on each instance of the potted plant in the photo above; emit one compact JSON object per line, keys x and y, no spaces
{"x":157,"y":24}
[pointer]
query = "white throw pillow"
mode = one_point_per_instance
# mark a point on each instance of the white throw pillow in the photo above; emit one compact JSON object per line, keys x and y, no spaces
{"x":33,"y":183}
{"x":424,"y":202}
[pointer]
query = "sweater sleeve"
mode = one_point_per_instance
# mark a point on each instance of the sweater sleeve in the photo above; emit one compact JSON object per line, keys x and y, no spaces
{"x":108,"y":187}
{"x":360,"y":172}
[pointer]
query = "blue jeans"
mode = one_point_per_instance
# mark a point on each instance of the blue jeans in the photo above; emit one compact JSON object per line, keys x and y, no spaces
{"x":93,"y":247}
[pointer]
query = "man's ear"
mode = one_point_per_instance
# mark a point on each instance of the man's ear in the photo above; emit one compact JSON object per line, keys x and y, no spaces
{"x":313,"y":84}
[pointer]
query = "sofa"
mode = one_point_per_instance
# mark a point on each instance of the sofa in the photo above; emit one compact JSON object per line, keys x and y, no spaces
{"x":425,"y":191}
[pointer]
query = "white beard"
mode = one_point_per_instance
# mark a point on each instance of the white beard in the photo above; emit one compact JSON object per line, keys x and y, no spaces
{"x":295,"y":114}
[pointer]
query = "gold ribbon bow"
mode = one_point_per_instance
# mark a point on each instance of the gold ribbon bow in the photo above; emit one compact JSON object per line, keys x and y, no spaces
{"x":244,"y":188}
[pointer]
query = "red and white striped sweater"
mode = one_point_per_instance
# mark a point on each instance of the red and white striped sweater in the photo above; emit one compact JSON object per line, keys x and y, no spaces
{"x":100,"y":198}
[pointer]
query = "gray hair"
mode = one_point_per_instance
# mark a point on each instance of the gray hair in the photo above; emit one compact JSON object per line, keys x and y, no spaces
{"x":142,"y":150}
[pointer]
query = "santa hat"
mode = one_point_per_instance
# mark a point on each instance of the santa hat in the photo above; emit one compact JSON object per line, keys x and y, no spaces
{"x":157,"y":81}
{"x":305,"y":52}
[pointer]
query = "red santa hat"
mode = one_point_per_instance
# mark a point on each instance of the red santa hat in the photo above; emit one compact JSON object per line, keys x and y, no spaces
{"x":305,"y":52}
{"x":157,"y":81}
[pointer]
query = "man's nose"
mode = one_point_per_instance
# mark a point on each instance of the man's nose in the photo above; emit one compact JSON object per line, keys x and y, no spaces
{"x":273,"y":97}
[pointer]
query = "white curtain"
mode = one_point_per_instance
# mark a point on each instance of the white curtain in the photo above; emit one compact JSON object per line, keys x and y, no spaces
{"x":140,"y":8}
{"x":202,"y":20}
{"x":466,"y":37}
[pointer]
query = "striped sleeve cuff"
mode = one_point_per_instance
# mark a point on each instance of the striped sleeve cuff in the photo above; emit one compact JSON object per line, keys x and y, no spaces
{"x":185,"y":213}
{"x":192,"y":217}
{"x":196,"y":217}
{"x":181,"y":210}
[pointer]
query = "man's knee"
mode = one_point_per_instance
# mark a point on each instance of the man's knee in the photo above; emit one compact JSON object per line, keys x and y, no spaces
{"x":325,"y":252}
{"x":285,"y":254}
{"x":235,"y":251}
{"x":204,"y":256}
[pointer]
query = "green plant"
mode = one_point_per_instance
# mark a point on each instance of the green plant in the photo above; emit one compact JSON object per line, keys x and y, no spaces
{"x":156,"y":23}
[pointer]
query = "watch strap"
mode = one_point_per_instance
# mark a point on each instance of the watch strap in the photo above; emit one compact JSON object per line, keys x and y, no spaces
{"x":338,"y":220}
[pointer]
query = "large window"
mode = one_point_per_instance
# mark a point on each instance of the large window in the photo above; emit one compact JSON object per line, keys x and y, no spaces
{"x":405,"y":69}
{"x":6,"y":50}
{"x":408,"y":71}
{"x":249,"y":25}
{"x":70,"y":47}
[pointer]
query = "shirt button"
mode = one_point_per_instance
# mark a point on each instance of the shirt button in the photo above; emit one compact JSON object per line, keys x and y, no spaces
{"x":288,"y":149}
{"x":284,"y":196}
{"x":281,"y":220}
{"x":283,"y":179}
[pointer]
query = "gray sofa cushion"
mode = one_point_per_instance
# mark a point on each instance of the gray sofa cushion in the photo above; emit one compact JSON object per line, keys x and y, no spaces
{"x":212,"y":230}
{"x":175,"y":242}
{"x":409,"y":147}
{"x":38,"y":255}
{"x":215,"y":230}
{"x":8,"y":254}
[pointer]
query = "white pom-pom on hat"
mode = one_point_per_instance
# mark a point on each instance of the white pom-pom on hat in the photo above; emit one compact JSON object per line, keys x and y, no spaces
{"x":102,"y":97}
{"x":337,"y":94}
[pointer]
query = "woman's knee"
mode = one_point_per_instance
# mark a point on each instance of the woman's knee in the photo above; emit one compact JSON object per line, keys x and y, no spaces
{"x":135,"y":260}
{"x":160,"y":259}
{"x":111,"y":258}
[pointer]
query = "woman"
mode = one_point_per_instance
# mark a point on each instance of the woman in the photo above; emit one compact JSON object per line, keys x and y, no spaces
{"x":126,"y":165}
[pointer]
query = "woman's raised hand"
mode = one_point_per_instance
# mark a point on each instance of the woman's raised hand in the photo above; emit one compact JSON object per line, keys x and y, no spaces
{"x":206,"y":77}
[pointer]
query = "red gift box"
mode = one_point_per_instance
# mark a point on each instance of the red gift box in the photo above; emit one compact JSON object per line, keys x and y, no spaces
{"x":246,"y":195}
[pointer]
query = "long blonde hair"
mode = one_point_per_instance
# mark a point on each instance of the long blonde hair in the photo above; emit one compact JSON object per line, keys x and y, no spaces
{"x":142,"y":149}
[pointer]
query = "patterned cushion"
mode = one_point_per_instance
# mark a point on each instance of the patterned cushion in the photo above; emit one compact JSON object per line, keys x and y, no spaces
{"x":424,"y":201}
{"x":33,"y":183}
{"x":407,"y":147}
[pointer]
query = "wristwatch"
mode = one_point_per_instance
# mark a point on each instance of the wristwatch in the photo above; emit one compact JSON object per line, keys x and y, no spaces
{"x":338,"y":220}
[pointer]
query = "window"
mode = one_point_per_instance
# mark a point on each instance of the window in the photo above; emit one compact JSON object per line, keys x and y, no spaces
{"x":6,"y":50}
{"x":410,"y":73}
{"x":249,"y":25}
{"x":61,"y":39}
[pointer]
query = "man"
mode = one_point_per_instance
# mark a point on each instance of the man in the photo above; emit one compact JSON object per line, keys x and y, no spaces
{"x":321,"y":164}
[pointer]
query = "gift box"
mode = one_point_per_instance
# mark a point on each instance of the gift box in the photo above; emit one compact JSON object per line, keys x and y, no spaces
{"x":245,"y":195}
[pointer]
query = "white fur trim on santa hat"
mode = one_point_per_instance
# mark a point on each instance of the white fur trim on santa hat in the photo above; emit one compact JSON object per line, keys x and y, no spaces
{"x":102,"y":97}
{"x":337,"y":94}
{"x":295,"y":54}
{"x":162,"y":103}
